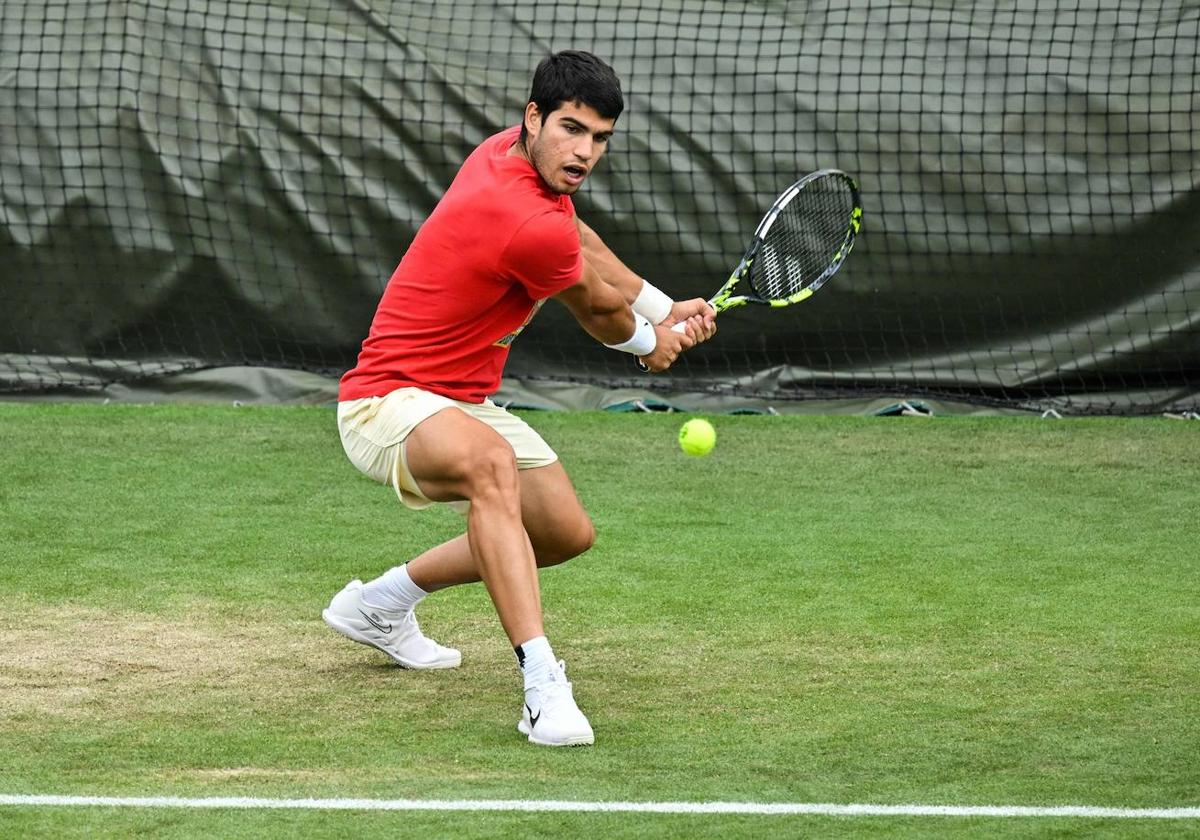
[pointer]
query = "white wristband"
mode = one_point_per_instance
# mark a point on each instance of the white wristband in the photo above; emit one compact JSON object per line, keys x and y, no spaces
{"x":643,"y":340}
{"x":652,"y":303}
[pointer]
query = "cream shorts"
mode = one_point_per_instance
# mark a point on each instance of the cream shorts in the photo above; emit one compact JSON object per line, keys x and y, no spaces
{"x":374,"y":431}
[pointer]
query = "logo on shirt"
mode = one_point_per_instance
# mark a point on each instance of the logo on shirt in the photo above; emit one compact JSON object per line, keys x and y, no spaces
{"x":512,"y":336}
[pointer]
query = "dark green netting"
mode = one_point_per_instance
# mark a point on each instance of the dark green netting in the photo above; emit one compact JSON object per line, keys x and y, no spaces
{"x":186,"y":186}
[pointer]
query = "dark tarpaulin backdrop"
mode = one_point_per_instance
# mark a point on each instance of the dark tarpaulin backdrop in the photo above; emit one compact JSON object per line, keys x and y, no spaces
{"x":193,"y":185}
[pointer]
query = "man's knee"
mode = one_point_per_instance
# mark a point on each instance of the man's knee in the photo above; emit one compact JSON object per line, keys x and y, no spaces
{"x":491,"y":472}
{"x":567,"y":543}
{"x":585,"y":538}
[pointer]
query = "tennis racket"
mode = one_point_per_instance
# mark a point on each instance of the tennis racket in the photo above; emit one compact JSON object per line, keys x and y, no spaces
{"x":800,"y":243}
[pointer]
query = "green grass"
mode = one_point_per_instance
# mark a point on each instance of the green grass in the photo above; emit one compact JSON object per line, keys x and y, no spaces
{"x":827,"y":609}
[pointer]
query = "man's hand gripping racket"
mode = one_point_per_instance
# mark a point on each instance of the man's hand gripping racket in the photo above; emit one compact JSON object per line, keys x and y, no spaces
{"x":800,"y":243}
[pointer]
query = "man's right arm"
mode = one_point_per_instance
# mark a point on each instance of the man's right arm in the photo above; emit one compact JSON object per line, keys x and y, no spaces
{"x":547,"y":248}
{"x":606,"y":315}
{"x":659,"y":308}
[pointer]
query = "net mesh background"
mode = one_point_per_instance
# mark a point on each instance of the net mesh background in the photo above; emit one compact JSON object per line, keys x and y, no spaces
{"x":204,"y":184}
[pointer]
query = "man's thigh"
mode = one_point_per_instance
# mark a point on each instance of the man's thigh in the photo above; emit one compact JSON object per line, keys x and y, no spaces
{"x":445,"y":451}
{"x":417,"y":441}
{"x":374,"y":431}
{"x":445,"y":448}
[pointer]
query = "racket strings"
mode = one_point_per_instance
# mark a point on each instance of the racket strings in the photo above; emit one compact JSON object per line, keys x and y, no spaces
{"x":805,"y":241}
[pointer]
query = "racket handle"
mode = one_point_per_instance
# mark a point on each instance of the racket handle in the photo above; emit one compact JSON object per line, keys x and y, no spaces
{"x":674,"y":328}
{"x":680,"y":327}
{"x":682,"y":324}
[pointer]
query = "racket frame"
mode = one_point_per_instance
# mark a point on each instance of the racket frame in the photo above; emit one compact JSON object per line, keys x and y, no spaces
{"x":726,"y":299}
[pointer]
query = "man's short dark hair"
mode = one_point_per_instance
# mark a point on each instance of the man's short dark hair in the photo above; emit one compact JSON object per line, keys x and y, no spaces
{"x":577,"y":77}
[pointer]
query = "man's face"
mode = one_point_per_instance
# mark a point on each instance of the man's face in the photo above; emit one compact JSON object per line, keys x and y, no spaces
{"x":564,"y":145}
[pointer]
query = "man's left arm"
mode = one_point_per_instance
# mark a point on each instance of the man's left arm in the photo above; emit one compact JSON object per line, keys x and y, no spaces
{"x":646,"y":300}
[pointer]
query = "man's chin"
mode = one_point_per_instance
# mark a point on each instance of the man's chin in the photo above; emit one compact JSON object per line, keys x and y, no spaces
{"x":565,"y":188}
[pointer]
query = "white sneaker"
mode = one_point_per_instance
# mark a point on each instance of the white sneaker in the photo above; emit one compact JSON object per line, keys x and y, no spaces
{"x":550,"y":716}
{"x":396,"y":634}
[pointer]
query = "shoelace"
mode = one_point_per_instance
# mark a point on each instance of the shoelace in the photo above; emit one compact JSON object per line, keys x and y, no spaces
{"x":412,"y":628}
{"x":404,"y":625}
{"x":557,"y":686}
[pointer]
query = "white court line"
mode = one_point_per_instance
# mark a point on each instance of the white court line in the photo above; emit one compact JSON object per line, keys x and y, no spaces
{"x":753,"y":808}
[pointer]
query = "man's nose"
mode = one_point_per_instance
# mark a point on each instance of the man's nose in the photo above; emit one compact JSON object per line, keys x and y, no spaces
{"x":585,"y":148}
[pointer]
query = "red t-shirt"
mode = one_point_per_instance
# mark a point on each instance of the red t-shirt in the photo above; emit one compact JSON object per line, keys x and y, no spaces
{"x":497,"y":244}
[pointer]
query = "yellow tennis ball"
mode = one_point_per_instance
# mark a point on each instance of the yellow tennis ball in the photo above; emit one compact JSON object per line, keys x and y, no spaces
{"x":697,"y":437}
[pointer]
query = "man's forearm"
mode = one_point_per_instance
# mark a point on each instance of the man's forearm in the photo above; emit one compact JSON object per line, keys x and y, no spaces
{"x":609,"y":326}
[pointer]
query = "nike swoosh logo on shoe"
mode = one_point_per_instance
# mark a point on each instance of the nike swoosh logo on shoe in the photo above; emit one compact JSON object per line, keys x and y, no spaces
{"x":374,"y":621}
{"x":533,"y":719}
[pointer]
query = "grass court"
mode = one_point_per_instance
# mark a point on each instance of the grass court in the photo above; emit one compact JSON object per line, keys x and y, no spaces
{"x":951,"y":611}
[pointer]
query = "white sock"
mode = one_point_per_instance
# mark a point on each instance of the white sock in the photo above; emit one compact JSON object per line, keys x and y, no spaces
{"x":536,"y":660}
{"x":393,"y":590}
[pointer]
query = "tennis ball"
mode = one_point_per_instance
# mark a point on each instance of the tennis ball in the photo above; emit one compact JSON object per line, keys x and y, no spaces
{"x":697,"y":437}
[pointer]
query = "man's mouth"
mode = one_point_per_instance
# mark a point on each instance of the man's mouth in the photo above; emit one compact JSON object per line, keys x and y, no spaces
{"x":575,"y":174}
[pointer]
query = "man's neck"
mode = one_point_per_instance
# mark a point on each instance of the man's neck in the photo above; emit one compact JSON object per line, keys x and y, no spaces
{"x":517,"y":149}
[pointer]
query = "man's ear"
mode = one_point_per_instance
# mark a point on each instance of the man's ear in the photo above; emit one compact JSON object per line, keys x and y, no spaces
{"x":533,"y":119}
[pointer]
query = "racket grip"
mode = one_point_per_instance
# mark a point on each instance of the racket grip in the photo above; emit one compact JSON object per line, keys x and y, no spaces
{"x":680,"y":327}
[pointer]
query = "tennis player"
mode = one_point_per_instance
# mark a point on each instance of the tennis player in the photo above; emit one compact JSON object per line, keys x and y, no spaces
{"x":415,"y":413}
